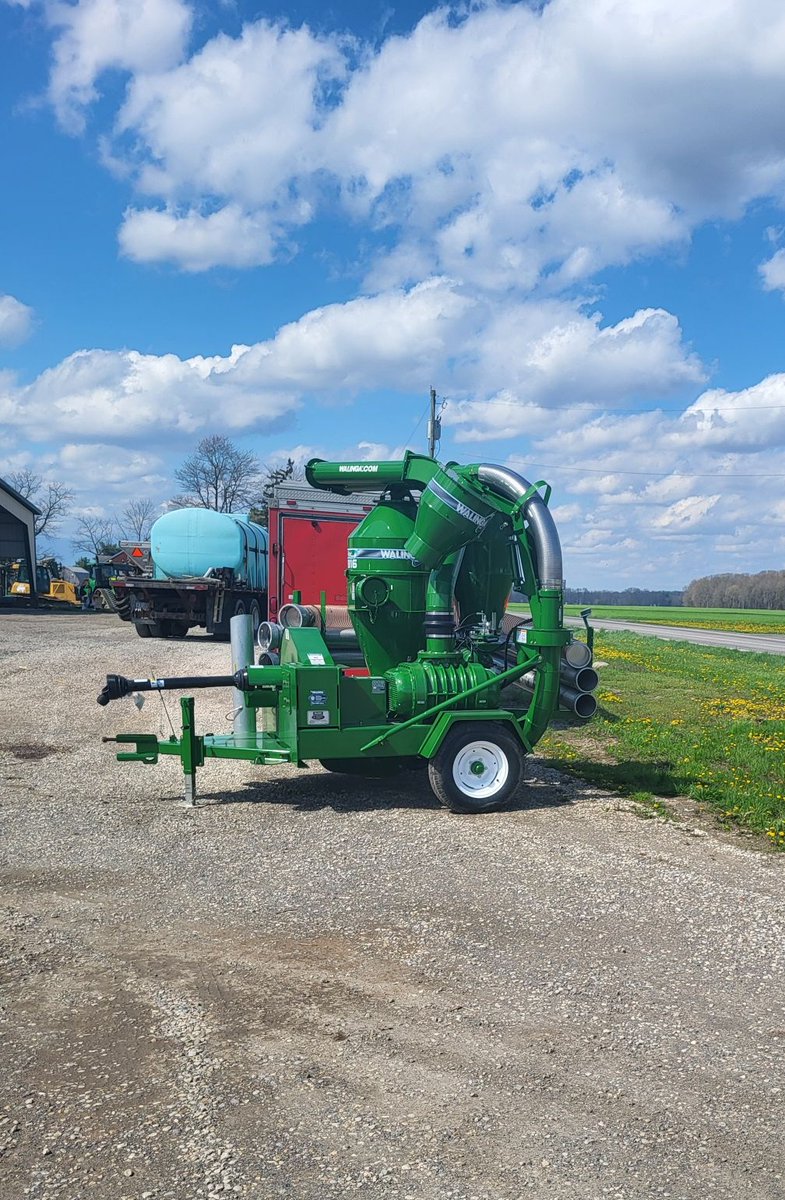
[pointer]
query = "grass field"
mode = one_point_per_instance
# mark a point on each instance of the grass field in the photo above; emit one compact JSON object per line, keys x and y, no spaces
{"x":740,"y":620}
{"x":679,"y":720}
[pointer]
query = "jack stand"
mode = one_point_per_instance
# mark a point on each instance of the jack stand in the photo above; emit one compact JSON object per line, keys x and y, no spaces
{"x":191,"y":751}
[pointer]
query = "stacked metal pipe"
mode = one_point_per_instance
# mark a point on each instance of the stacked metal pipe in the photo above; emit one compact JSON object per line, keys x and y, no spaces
{"x":578,"y":679}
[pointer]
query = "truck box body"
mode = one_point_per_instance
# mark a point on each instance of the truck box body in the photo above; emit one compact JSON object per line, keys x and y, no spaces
{"x":309,"y":532}
{"x":208,"y":566}
{"x":193,"y":541}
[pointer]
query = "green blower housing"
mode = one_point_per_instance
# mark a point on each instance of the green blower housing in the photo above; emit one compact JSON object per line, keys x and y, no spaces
{"x":429,"y":572}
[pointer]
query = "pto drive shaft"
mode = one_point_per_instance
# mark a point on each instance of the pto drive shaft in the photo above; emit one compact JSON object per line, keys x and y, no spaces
{"x":118,"y":686}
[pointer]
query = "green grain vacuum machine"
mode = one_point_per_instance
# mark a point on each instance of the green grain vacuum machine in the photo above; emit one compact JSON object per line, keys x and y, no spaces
{"x":426,"y":669}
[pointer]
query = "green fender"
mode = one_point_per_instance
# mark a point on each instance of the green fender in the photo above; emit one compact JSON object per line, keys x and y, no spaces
{"x":444,"y":723}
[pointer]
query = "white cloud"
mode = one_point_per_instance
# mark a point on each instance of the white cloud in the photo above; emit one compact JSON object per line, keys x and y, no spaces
{"x":16,"y":321}
{"x":93,"y":36}
{"x":508,"y":144}
{"x":372,"y":452}
{"x":752,"y":419}
{"x":299,"y":454}
{"x":128,"y":396}
{"x":533,"y":358}
{"x":397,"y":339}
{"x":109,"y":467}
{"x":257,"y":100}
{"x":394,"y":339}
{"x":503,"y":145}
{"x":196,"y":242}
{"x":686,"y":513}
{"x":667,"y":496}
{"x":773,"y":272}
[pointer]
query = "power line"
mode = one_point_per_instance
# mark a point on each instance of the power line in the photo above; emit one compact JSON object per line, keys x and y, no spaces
{"x":662,"y":474}
{"x":640,"y":411}
{"x":417,"y":426}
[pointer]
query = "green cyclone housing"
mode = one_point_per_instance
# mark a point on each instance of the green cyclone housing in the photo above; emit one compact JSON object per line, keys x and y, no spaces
{"x":385,"y":586}
{"x":429,"y":572}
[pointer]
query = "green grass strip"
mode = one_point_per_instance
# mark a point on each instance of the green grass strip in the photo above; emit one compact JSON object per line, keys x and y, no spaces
{"x":681,"y":720}
{"x":729,"y":620}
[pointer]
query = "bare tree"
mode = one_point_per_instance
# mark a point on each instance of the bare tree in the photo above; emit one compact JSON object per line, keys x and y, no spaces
{"x":273,"y":476}
{"x":218,"y":475}
{"x":95,"y":535}
{"x":51,"y":496}
{"x":137,"y":518}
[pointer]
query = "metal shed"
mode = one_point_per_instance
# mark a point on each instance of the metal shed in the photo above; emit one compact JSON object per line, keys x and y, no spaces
{"x":17,"y":530}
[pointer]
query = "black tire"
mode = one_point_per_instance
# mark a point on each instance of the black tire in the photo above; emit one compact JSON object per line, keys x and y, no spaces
{"x":142,"y":630}
{"x":256,"y":617}
{"x":177,"y":629}
{"x":486,"y":752}
{"x":221,"y":632}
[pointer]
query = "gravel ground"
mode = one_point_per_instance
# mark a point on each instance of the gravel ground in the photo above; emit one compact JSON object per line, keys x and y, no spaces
{"x":319,"y":987}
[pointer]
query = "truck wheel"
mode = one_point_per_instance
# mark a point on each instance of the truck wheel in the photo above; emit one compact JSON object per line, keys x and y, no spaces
{"x":256,"y":617}
{"x":477,"y":768}
{"x":142,"y":630}
{"x":174,"y":629}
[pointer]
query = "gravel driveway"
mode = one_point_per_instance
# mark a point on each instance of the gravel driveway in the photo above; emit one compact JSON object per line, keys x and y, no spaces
{"x":318,"y":987}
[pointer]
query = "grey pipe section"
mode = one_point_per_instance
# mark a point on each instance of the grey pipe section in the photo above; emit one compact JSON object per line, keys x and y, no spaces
{"x":583,"y":704}
{"x":583,"y":679}
{"x":241,"y":639}
{"x":269,"y":635}
{"x":298,"y":616}
{"x":547,"y":547}
{"x":577,"y":654}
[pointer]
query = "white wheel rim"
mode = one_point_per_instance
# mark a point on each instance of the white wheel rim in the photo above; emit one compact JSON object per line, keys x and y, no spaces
{"x":480,"y":770}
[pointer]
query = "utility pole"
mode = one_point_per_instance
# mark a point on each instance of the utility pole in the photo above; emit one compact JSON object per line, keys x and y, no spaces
{"x":434,"y":426}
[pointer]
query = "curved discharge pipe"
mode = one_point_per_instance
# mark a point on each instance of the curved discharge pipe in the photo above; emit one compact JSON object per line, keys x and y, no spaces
{"x":513,"y":486}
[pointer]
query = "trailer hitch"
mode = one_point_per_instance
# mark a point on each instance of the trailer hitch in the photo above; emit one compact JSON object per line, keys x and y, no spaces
{"x":146,"y":747}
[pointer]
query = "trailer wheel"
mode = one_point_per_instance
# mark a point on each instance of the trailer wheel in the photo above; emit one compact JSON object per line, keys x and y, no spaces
{"x":142,"y":630}
{"x":256,"y":617}
{"x":477,"y":768}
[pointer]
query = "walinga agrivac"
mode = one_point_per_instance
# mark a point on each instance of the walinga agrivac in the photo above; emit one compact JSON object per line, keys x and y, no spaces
{"x":422,"y":671}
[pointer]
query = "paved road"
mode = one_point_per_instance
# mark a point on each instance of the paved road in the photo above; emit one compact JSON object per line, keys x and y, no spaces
{"x":758,"y":643}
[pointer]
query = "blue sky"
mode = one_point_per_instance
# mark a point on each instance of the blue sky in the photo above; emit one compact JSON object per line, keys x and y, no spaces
{"x":285,"y":224}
